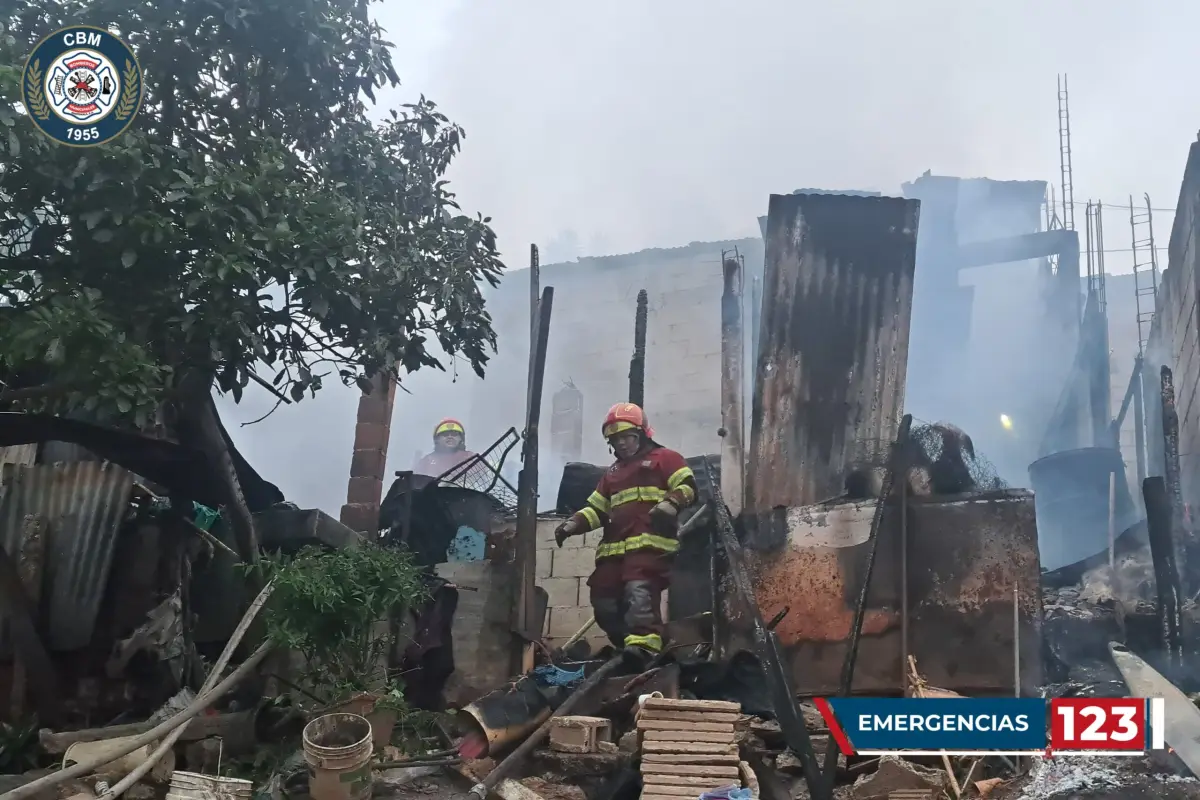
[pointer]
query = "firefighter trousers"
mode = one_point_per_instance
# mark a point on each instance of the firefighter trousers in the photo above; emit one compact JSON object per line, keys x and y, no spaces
{"x":626,"y":594}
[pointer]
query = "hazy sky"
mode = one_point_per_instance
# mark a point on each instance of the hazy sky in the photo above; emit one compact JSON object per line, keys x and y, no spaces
{"x":640,"y":124}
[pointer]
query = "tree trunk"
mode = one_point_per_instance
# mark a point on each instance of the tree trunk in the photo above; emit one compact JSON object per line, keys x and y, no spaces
{"x":199,"y":428}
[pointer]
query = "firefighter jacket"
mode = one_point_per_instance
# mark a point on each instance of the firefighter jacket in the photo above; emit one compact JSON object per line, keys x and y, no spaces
{"x":627,"y":493}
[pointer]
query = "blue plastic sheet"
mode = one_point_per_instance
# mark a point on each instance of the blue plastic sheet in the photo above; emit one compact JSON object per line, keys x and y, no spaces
{"x":553,"y":675}
{"x":727,"y":793}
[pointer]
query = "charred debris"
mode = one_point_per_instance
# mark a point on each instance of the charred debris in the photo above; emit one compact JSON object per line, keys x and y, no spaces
{"x":838,"y":546}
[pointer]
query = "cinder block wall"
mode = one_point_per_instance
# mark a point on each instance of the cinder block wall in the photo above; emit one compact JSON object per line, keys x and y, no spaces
{"x":563,"y":573}
{"x":591,"y":341}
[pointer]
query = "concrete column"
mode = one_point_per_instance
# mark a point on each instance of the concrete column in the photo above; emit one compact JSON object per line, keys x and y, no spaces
{"x":371,"y":432}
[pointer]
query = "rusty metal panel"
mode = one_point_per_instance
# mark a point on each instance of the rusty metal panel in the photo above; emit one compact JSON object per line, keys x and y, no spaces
{"x":837,"y":298}
{"x":969,"y":558}
{"x":84,"y":504}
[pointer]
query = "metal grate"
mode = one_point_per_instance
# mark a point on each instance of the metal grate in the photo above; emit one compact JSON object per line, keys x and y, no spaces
{"x":481,"y":473}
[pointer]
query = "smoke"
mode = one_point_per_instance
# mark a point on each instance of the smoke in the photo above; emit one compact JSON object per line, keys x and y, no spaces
{"x":633,"y":125}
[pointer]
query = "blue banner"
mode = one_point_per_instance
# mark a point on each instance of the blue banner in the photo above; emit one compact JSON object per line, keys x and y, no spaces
{"x":1004,"y":724}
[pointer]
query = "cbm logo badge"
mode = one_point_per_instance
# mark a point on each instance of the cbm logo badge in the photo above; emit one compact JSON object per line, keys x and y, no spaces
{"x":82,"y":86}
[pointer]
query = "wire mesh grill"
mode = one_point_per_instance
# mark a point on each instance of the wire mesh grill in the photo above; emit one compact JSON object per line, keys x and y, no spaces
{"x":481,"y":473}
{"x":929,"y":442}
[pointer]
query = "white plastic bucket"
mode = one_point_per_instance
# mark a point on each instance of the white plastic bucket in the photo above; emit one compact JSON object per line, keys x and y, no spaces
{"x":338,"y":749}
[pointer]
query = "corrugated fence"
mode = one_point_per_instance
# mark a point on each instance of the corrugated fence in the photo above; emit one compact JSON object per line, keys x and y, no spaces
{"x":83,"y":504}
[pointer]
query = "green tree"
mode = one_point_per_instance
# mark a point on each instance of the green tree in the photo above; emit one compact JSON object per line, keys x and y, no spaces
{"x":253,"y":224}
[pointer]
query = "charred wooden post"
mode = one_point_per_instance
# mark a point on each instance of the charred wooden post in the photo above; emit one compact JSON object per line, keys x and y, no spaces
{"x":535,"y":294}
{"x":637,"y":364}
{"x":1171,"y":471}
{"x":525,"y":623}
{"x":733,"y":458}
{"x":1166,"y":574}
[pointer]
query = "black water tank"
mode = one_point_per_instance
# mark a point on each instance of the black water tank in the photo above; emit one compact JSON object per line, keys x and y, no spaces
{"x":1070,"y":495}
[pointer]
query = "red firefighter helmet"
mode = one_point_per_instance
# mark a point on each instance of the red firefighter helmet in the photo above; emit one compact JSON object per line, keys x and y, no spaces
{"x":626,"y":417}
{"x":449,"y":425}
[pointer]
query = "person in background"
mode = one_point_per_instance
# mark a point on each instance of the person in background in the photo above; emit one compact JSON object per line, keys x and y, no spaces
{"x":449,"y":449}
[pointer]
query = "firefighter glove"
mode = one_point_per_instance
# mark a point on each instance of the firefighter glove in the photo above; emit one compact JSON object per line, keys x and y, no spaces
{"x":664,"y":517}
{"x":565,"y":531}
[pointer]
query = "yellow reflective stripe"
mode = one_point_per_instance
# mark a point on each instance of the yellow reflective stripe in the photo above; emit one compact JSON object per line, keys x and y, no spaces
{"x":449,"y":427}
{"x":606,"y":549}
{"x":643,"y":541}
{"x":652,"y":642}
{"x":598,"y":502}
{"x":681,"y":475}
{"x":652,"y":541}
{"x":593,"y":519}
{"x":687,"y":493}
{"x":617,"y":427}
{"x":649,"y":494}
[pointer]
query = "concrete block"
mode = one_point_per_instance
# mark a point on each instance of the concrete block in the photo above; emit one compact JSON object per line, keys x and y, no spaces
{"x":562,"y":592}
{"x":545,"y":563}
{"x":545,"y":532}
{"x":565,"y":622}
{"x":575,"y":563}
{"x":590,"y":540}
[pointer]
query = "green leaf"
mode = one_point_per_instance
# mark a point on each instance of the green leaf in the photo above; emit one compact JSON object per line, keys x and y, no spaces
{"x":103,"y":235}
{"x":123,"y":405}
{"x":92,"y":218}
{"x":129,"y":258}
{"x":171,"y":197}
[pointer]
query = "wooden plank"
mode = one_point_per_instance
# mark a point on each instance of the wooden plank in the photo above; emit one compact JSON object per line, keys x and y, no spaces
{"x":691,"y":705}
{"x":685,"y":770}
{"x":672,"y":725}
{"x":691,"y":758}
{"x":720,"y":737}
{"x":672,"y":792}
{"x":689,"y":716}
{"x":657,"y":783}
{"x":689,"y":748}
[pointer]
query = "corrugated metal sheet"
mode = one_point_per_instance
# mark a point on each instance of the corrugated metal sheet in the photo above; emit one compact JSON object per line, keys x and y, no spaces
{"x":84,"y":504}
{"x":965,"y":559}
{"x":833,"y":342}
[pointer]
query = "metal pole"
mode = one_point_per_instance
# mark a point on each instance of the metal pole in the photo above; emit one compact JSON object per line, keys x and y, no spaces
{"x":904,"y":677}
{"x":896,"y":468}
{"x":637,"y":364}
{"x":1112,"y":527}
{"x":733,"y":458}
{"x":1016,"y":640}
{"x":1139,"y":422}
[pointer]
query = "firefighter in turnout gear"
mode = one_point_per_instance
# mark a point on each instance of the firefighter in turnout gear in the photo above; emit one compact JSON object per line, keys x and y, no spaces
{"x":637,"y":503}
